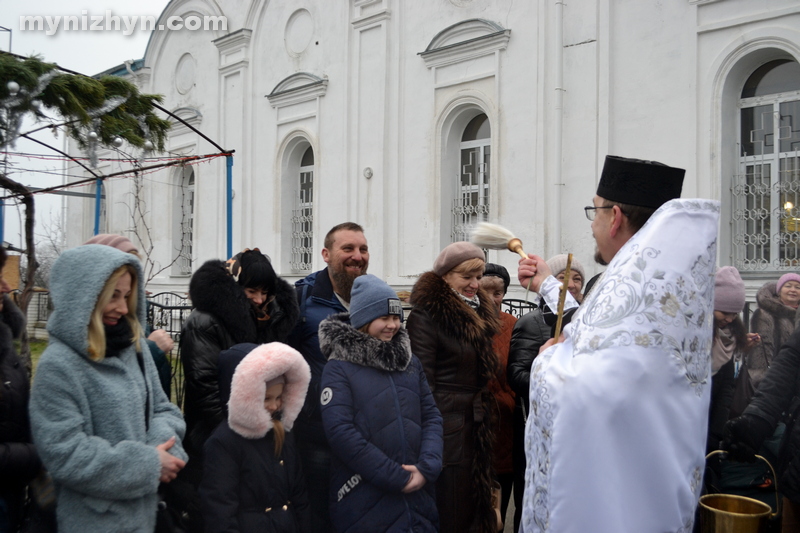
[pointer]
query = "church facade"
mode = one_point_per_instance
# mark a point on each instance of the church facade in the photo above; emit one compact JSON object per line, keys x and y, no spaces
{"x":417,"y":118}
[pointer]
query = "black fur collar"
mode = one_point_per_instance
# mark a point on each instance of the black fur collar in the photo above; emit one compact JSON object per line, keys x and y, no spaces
{"x":340,"y":341}
{"x":215,"y":292}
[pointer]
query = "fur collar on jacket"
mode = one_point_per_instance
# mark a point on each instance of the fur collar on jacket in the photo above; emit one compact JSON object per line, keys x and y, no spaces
{"x":769,"y":302}
{"x":451,"y":314}
{"x":246,"y":413}
{"x":339,"y":340}
{"x":215,"y":292}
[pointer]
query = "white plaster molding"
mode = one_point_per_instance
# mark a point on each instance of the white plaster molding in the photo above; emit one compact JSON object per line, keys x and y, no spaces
{"x":297,"y":88}
{"x":464,"y":41}
{"x":190,"y":115}
{"x":701,"y":2}
{"x":749,"y":19}
{"x":372,"y":19}
{"x":234,"y":50}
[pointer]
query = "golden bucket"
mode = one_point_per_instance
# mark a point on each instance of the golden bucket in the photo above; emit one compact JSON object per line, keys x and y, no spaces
{"x":727,"y":513}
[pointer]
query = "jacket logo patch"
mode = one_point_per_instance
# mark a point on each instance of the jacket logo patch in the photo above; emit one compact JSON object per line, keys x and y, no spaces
{"x":349,"y":485}
{"x":326,"y":396}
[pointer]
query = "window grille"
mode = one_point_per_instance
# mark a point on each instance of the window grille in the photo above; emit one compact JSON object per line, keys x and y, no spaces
{"x":471,"y":202}
{"x":186,"y":223}
{"x":303,"y":216}
{"x":766,"y":192}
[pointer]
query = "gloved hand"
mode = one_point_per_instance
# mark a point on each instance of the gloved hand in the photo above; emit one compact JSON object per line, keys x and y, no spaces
{"x":742,"y":437}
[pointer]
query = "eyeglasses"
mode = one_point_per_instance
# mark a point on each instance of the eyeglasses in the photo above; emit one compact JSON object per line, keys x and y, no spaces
{"x":591,"y":211}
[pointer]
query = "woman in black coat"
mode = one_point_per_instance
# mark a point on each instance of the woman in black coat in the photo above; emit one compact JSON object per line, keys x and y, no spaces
{"x":19,"y":462}
{"x":776,"y":399}
{"x":241,"y":300}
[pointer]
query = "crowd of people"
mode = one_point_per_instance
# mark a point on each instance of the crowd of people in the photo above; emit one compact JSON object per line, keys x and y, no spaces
{"x":321,"y":407}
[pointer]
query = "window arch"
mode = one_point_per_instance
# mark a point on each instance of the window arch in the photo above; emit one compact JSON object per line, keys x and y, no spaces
{"x":766,"y":189}
{"x":298,"y":156}
{"x":465,"y":167}
{"x":471,"y":204}
{"x":303,"y":214}
{"x":183,"y":222}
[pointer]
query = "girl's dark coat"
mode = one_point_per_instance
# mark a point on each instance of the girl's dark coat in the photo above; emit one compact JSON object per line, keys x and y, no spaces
{"x":378,"y":414}
{"x":454,"y":344}
{"x":248,"y":486}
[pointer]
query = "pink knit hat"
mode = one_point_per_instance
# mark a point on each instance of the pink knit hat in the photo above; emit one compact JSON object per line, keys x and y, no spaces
{"x":455,"y":254}
{"x":119,"y":242}
{"x":728,"y":290}
{"x":791,"y":276}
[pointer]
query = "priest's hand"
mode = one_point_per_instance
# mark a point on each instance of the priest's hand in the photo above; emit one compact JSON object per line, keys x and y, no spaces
{"x":533,"y":270}
{"x":742,"y":437}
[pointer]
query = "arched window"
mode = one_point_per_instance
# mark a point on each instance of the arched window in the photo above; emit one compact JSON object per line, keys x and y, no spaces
{"x":183,"y":236}
{"x":303,"y":215}
{"x":471,"y":202}
{"x":766,"y":192}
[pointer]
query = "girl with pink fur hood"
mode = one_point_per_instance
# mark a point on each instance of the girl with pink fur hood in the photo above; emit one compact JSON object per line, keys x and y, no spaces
{"x":252,"y":481}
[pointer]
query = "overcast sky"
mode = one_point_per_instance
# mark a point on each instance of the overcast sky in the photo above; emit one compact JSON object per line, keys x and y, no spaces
{"x":88,"y":52}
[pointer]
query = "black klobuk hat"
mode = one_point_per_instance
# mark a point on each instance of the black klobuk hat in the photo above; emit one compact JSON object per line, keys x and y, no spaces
{"x":638,"y":182}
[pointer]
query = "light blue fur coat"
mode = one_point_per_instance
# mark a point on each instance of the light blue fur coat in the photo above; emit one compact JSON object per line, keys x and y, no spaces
{"x":88,"y":418}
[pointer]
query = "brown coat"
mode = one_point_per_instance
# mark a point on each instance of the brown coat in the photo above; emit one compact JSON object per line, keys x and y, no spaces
{"x":504,"y":399}
{"x":774,"y":321}
{"x":454,"y":344}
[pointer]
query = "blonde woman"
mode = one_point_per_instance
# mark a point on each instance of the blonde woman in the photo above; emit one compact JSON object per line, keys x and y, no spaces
{"x":102,"y":424}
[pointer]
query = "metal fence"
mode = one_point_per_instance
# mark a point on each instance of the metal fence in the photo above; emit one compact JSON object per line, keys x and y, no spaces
{"x":516,"y":307}
{"x":168,"y":311}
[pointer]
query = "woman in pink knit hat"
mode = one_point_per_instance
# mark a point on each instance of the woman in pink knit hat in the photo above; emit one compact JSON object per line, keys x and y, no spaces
{"x":774,"y":320}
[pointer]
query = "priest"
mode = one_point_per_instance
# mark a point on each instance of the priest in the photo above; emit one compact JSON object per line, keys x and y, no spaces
{"x":615,"y":440}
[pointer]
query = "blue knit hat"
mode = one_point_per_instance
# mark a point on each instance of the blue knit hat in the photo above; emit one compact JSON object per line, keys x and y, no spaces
{"x":372,"y":298}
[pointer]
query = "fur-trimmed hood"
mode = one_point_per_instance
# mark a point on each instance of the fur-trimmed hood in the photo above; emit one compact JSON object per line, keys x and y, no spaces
{"x":769,"y":302}
{"x":214,"y":291}
{"x":246,"y":413}
{"x":451,"y":314}
{"x":340,"y":341}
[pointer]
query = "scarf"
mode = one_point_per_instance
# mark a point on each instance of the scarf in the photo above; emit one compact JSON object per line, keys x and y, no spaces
{"x":473,"y":302}
{"x":118,"y":337}
{"x":722,"y":350}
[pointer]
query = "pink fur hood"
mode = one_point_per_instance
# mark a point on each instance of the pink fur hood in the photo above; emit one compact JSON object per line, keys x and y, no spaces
{"x":246,"y":413}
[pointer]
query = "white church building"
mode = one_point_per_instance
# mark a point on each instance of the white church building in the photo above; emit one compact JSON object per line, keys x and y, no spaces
{"x":417,"y":118}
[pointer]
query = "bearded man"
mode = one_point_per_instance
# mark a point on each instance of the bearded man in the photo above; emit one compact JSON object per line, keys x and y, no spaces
{"x":320,"y":295}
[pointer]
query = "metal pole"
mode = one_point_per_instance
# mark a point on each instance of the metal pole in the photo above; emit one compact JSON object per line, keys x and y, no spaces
{"x":229,"y":160}
{"x":97,"y":199}
{"x":2,"y":222}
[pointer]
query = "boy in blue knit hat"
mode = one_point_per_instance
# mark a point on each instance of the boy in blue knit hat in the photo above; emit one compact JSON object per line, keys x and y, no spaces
{"x":380,"y":418}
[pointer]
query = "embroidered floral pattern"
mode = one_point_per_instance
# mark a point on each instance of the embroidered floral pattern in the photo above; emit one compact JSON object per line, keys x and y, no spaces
{"x":672,"y":314}
{"x":639,"y":304}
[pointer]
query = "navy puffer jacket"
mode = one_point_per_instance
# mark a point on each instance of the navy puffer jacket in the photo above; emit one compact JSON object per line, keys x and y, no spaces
{"x":378,"y":413}
{"x":317,"y":302}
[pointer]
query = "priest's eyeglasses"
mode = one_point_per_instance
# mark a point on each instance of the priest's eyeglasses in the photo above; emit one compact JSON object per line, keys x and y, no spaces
{"x":591,"y":211}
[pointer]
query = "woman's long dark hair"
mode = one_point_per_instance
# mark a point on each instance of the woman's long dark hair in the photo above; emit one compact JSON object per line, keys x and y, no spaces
{"x":737,"y":331}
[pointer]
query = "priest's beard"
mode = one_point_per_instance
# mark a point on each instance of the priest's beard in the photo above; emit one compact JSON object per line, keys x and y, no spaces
{"x":599,"y":258}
